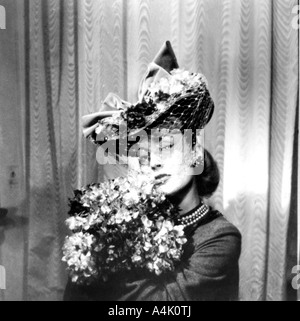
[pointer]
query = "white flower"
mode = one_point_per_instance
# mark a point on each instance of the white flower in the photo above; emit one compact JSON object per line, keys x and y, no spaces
{"x":179,"y":230}
{"x":105,"y":209}
{"x":81,"y":240}
{"x":99,"y":129}
{"x":85,"y":260}
{"x":168,"y":225}
{"x":135,"y":214}
{"x":75,"y":278}
{"x":162,"y":248}
{"x":131,"y":197}
{"x":157,"y":265}
{"x":147,"y":189}
{"x":71,"y":222}
{"x":176,"y":88}
{"x":147,"y":246}
{"x":147,"y":223}
{"x":180,"y":74}
{"x":76,"y":222}
{"x":152,"y":89}
{"x":164,"y":85}
{"x":89,"y":240}
{"x":181,"y":240}
{"x":164,"y":228}
{"x":122,"y":215}
{"x":161,"y":106}
{"x":136,"y":258}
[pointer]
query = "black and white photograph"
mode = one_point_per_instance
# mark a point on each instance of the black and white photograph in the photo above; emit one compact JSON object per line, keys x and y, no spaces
{"x":149,"y":153}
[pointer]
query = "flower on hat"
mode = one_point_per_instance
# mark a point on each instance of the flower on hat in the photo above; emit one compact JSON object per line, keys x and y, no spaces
{"x":180,"y":82}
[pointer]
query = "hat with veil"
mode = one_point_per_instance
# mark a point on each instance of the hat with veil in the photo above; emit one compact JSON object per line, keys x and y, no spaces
{"x":168,"y":97}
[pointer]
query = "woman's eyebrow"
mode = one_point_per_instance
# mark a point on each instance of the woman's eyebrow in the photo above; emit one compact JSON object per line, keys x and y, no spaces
{"x":167,"y":140}
{"x":144,"y":149}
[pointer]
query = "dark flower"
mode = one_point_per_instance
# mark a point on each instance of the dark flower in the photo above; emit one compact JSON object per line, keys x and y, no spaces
{"x":161,"y":96}
{"x":135,"y":115}
{"x":76,"y":207}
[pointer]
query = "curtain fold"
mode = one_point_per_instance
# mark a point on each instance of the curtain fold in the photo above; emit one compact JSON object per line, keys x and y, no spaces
{"x":283,"y":111}
{"x":81,"y":50}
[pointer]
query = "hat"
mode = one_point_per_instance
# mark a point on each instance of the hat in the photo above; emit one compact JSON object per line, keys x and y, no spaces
{"x":168,"y":97}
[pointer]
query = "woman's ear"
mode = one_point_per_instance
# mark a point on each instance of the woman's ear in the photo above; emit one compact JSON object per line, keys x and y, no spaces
{"x":198,"y":153}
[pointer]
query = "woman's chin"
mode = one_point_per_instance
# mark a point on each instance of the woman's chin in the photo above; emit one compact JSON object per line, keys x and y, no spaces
{"x":162,"y":189}
{"x":166,"y":189}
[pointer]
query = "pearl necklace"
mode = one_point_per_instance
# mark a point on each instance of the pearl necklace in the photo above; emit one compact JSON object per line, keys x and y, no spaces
{"x":194,"y":217}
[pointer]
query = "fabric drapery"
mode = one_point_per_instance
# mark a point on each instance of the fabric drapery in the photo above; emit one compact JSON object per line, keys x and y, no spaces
{"x":76,"y":52}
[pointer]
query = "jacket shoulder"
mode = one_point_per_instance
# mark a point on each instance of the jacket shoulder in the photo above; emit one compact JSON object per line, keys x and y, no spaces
{"x":218,"y":231}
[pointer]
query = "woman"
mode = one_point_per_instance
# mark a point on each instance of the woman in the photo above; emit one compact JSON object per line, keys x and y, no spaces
{"x":208,"y":269}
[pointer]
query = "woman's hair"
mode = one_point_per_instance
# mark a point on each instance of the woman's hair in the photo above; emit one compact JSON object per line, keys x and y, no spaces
{"x":208,"y":181}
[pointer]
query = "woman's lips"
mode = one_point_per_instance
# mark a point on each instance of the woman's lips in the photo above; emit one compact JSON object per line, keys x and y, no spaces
{"x":161,"y":179}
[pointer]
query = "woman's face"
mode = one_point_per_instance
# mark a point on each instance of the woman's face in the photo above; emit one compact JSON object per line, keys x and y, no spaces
{"x":168,"y":159}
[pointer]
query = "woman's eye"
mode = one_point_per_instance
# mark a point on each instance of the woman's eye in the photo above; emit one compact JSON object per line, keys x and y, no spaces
{"x":144,"y":160}
{"x":167,"y":147}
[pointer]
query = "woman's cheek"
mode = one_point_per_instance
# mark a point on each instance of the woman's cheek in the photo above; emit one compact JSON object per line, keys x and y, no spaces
{"x":168,"y":188}
{"x":174,"y":184}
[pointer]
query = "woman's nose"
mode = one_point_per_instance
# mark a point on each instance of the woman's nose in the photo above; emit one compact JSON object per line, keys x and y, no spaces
{"x":155,"y":162}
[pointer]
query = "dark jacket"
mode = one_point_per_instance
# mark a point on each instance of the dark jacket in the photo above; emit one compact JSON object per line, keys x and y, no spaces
{"x":208,"y":271}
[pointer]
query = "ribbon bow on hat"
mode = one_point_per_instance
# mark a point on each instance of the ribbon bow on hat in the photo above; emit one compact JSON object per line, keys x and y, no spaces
{"x":163,"y":63}
{"x":191,"y":104}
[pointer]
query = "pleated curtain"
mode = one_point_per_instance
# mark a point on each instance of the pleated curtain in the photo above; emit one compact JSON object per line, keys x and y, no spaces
{"x":76,"y":52}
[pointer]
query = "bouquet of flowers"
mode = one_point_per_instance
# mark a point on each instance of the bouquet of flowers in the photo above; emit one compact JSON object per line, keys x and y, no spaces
{"x":118,"y":225}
